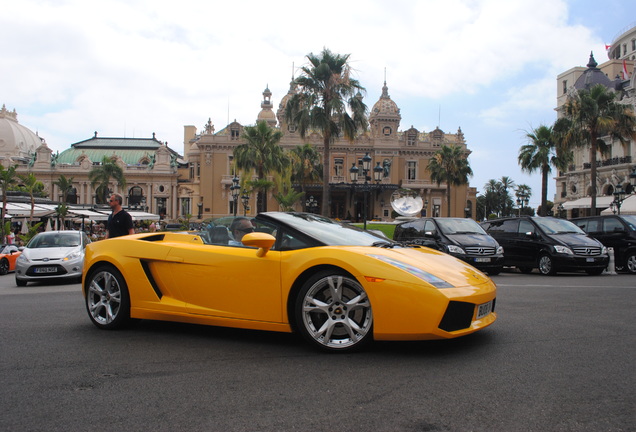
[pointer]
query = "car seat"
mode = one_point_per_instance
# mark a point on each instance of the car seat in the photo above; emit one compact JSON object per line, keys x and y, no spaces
{"x":219,"y":235}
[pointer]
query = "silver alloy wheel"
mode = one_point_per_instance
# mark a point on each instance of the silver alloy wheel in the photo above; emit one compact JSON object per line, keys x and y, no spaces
{"x":104,"y":298}
{"x":631,"y":263}
{"x":545,"y":265}
{"x":336,"y":312}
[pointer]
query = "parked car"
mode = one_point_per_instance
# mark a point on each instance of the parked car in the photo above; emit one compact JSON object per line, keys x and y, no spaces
{"x":8,"y":255}
{"x":461,"y":237}
{"x":336,"y":285}
{"x":52,"y":255}
{"x":617,"y":232}
{"x":552,"y":245}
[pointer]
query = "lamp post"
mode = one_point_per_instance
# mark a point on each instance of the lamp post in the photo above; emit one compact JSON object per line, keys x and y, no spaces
{"x":619,"y":197}
{"x":200,"y":205}
{"x":312,"y":204}
{"x":235,"y":189}
{"x":354,"y":171}
{"x":245,"y":200}
{"x":560,"y":209}
{"x":522,"y":198}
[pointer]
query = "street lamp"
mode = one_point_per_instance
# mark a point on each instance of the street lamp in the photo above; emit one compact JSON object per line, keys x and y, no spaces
{"x":200,"y":205}
{"x":245,"y":200}
{"x":354,"y":172}
{"x":619,"y":197}
{"x":522,"y":198}
{"x":312,"y":204}
{"x":235,"y":189}
{"x":560,"y":209}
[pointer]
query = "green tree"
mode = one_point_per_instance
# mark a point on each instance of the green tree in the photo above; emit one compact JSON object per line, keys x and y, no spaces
{"x":541,"y":153}
{"x":100,"y":177}
{"x":8,"y":179}
{"x":449,"y":165}
{"x":65,"y":185}
{"x":306,"y":166}
{"x":595,"y":116}
{"x":31,"y":186}
{"x":263,"y":154}
{"x":61,"y":211}
{"x":327,"y":100}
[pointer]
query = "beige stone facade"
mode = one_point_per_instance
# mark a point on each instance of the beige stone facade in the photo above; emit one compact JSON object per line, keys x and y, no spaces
{"x":573,"y":186}
{"x":403,"y":156}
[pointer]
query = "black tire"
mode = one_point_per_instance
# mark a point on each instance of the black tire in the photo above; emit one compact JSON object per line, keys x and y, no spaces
{"x":20,"y":283}
{"x":107,"y":298}
{"x":630,"y":263}
{"x":333,"y":312}
{"x":4,"y":266}
{"x":546,"y":265}
{"x":525,"y":270}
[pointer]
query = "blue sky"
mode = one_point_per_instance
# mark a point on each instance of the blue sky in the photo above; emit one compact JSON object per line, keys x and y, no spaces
{"x":131,"y":68}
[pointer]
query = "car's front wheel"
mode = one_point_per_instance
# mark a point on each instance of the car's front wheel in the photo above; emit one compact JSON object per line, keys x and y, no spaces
{"x":107,"y":299}
{"x":546,"y":265}
{"x":333,"y":311}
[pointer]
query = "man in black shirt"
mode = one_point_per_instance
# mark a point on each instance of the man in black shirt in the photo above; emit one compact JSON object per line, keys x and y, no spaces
{"x":119,"y":222}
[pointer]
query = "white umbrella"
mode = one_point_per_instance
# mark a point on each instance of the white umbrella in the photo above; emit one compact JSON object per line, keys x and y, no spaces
{"x":54,"y":224}
{"x":48,"y":225}
{"x":25,"y":227}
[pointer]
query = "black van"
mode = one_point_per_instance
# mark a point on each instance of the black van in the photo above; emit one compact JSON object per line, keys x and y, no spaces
{"x":549,"y":244}
{"x":460,"y":237}
{"x":617,"y":232}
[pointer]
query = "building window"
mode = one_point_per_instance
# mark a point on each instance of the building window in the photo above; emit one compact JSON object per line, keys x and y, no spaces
{"x":411,"y":139}
{"x":191,"y":170}
{"x":565,"y":86}
{"x":338,"y":166}
{"x":135,"y":195}
{"x":411,"y":170}
{"x":633,"y":44}
{"x":234,"y":134}
{"x":185,"y":206}
{"x":386,"y":131}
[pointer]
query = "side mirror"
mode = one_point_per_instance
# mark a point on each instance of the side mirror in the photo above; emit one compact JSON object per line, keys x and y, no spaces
{"x":530,"y":234}
{"x":262,"y":241}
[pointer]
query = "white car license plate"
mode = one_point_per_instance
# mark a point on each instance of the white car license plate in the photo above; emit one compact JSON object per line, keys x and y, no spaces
{"x":46,"y":270}
{"x":589,"y":259}
{"x":484,"y":309}
{"x":482,"y":259}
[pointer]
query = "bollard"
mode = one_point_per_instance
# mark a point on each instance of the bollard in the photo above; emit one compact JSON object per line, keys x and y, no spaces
{"x":611,"y":266}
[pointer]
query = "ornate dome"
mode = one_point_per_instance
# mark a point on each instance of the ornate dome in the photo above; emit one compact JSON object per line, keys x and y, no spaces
{"x":592,"y":76}
{"x":385,"y":106}
{"x":16,"y":141}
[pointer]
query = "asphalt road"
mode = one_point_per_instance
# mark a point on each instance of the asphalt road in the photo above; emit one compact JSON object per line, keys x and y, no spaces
{"x":561,"y":357}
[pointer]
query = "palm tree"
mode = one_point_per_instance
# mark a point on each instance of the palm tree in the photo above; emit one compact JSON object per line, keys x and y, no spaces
{"x":506,"y":200}
{"x":8,"y":179}
{"x":32,"y":186}
{"x":328,"y":100}
{"x":541,"y":153}
{"x":101,"y":175}
{"x":306,"y":165}
{"x":449,"y":165}
{"x":595,"y":115}
{"x":286,"y":196}
{"x":263,"y":154}
{"x":65,"y":185}
{"x":492,"y":198}
{"x":523,"y":193}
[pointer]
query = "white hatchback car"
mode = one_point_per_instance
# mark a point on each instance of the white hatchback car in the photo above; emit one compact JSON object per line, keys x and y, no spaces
{"x":52,"y":255}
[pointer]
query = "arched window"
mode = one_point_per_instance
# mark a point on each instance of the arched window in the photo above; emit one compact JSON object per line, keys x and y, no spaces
{"x":135,"y":194}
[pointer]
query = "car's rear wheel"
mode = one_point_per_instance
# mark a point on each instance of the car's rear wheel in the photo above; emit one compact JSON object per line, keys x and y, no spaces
{"x":630,"y":263}
{"x":4,"y":266}
{"x":107,"y":299}
{"x":546,"y":265}
{"x":333,"y":311}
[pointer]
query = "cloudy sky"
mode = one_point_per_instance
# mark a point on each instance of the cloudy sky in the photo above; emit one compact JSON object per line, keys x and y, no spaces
{"x":134,"y":67}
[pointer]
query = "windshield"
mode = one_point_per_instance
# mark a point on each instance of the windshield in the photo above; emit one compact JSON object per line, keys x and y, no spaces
{"x":328,"y":231}
{"x":54,"y":240}
{"x":459,"y":226}
{"x":630,"y":220}
{"x":557,"y":226}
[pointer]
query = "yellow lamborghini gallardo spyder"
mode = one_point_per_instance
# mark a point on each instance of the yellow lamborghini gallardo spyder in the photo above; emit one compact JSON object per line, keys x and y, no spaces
{"x":336,"y":285}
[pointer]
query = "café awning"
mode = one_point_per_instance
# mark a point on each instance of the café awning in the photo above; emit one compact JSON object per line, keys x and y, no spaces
{"x":139,"y":215}
{"x":601,"y":202}
{"x":627,"y":207}
{"x":88,"y":214}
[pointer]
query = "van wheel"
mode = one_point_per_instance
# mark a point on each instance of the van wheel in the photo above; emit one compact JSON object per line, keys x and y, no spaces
{"x":630,"y":262}
{"x":546,"y":265}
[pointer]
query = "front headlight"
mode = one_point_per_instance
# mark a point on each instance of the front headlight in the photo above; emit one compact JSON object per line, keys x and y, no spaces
{"x":563,"y":250}
{"x":604,"y":251}
{"x":73,"y":256}
{"x":500,"y":250}
{"x":415,"y":271}
{"x":455,"y":249}
{"x":22,"y":259}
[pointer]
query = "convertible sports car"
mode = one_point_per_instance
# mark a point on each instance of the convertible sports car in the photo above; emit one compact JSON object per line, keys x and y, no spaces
{"x":337,"y":285}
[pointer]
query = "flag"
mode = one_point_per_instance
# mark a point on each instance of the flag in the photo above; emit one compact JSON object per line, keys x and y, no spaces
{"x":607,"y":47}
{"x":625,"y":73}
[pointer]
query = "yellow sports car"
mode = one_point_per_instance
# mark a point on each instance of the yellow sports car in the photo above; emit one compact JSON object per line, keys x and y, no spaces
{"x":335,"y":284}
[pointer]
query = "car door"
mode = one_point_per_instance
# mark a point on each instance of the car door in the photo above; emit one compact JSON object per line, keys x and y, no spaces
{"x":228,"y":281}
{"x":612,"y":234}
{"x":528,"y":244}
